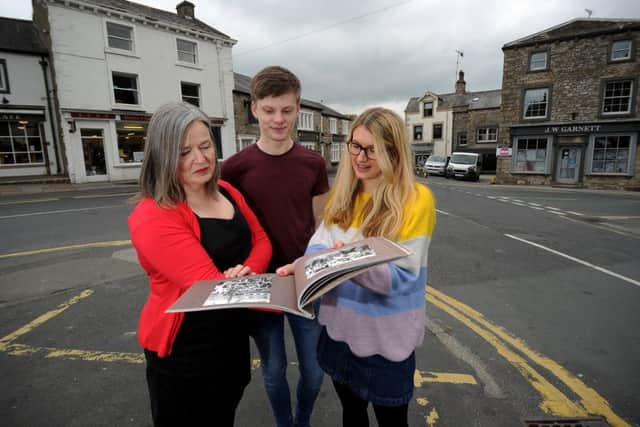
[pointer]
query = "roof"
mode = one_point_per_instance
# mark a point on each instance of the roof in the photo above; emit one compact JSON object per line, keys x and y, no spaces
{"x":242,"y":84}
{"x":18,"y":35}
{"x":577,"y":28}
{"x":474,"y":100}
{"x":152,"y":14}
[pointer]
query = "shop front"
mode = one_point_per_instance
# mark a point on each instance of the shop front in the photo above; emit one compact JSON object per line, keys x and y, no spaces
{"x":593,"y":155}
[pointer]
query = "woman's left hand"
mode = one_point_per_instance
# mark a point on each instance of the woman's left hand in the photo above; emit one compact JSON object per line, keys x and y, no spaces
{"x":285,"y":270}
{"x":237,"y":271}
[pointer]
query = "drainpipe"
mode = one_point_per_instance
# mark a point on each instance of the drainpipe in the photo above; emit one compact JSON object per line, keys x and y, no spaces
{"x":43,"y":63}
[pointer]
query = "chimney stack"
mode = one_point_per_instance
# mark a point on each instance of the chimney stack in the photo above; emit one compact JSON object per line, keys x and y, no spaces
{"x":185,"y":9}
{"x":461,"y":85}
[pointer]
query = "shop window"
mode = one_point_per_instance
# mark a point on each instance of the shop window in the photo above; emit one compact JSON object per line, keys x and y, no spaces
{"x":125,"y":88}
{"x":190,"y":93}
{"x":20,"y":143}
{"x":93,"y":151}
{"x":131,"y":139}
{"x":187,"y":51}
{"x":530,"y":155}
{"x":612,"y":154}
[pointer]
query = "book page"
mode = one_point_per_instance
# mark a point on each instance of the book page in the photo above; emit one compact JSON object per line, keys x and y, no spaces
{"x":321,"y":271}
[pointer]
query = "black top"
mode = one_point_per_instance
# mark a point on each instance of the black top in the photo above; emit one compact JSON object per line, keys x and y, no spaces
{"x":215,"y":343}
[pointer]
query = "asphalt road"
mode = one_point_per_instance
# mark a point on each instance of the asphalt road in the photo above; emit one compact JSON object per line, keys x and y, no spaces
{"x":532,"y":306}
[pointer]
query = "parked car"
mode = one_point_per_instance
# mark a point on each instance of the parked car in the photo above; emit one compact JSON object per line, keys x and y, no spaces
{"x":465,"y":166}
{"x":436,"y":165}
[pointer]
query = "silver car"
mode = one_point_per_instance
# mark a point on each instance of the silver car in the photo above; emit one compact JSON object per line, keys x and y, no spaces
{"x":436,"y":165}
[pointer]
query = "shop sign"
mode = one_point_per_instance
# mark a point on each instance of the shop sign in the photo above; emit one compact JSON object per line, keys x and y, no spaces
{"x":503,"y":151}
{"x":559,"y":130}
{"x":17,"y":117}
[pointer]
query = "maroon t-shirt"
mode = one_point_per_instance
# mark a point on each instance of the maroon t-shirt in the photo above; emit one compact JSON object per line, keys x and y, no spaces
{"x":280,"y":189}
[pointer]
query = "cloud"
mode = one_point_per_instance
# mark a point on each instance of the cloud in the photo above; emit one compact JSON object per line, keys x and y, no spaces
{"x":381,"y":52}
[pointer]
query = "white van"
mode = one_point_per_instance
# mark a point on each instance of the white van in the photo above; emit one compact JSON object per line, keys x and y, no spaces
{"x":465,"y":166}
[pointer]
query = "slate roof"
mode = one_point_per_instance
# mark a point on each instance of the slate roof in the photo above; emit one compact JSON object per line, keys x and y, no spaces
{"x":577,"y":28}
{"x":242,"y":84}
{"x":474,"y":100}
{"x":18,"y":35}
{"x":153,"y":14}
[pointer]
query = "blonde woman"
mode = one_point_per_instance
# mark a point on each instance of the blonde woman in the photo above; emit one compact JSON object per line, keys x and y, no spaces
{"x":373,"y":323}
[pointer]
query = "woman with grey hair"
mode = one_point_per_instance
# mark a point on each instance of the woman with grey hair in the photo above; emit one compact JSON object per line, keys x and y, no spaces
{"x":189,"y":225}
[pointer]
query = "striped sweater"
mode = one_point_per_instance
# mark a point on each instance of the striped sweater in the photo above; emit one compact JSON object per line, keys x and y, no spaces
{"x":381,"y":311}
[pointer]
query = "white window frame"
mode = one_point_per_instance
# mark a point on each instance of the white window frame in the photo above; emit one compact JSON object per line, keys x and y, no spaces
{"x":458,"y":138}
{"x":305,"y":120}
{"x":345,"y":127}
{"x":532,"y":62}
{"x":309,"y":145}
{"x":631,"y":155}
{"x":486,"y":130}
{"x":195,"y":51}
{"x":333,"y":125}
{"x":604,"y":97}
{"x":525,"y":105}
{"x":183,"y":96}
{"x":112,"y":49}
{"x":245,"y":141}
{"x":517,"y":140}
{"x":627,"y":49}
{"x":336,"y":151}
{"x":137,"y":90}
{"x":26,"y":138}
{"x":4,"y":77}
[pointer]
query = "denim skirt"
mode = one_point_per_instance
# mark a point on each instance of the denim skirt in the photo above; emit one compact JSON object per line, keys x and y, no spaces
{"x":374,"y":378}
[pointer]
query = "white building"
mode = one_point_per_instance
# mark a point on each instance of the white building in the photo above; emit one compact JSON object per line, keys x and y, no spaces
{"x":115,"y":62}
{"x":29,"y":143}
{"x":429,"y":123}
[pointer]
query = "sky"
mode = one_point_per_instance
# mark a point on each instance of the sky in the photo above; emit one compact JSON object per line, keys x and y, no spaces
{"x":356,"y":54}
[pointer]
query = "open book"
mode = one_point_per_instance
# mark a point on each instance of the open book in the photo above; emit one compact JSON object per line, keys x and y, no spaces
{"x":315,"y":274}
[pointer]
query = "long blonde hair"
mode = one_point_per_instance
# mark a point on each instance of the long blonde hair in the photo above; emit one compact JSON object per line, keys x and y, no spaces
{"x":383,"y":214}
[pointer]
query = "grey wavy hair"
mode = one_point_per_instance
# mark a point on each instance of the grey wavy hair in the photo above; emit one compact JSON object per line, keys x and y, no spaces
{"x":165,"y":135}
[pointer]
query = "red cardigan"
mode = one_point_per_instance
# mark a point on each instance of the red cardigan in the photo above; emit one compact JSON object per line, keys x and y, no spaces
{"x":167,"y":241}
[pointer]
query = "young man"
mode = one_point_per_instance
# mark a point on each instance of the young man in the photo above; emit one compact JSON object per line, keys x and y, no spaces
{"x":286,"y":185}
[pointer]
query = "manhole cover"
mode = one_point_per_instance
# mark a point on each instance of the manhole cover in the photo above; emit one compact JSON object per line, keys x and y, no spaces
{"x":567,"y":422}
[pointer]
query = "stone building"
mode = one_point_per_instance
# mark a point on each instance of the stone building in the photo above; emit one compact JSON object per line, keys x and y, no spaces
{"x":570,"y":106}
{"x":458,"y":121}
{"x":319,"y":127}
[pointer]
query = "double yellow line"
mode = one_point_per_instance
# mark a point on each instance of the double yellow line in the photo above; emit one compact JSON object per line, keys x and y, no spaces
{"x":516,"y":352}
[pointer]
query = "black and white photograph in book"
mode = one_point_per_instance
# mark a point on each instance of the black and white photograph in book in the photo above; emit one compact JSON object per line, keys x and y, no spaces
{"x":243,"y":290}
{"x":322,"y":262}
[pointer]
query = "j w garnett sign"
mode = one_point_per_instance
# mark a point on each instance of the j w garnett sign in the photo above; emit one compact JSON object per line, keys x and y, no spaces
{"x":559,"y":130}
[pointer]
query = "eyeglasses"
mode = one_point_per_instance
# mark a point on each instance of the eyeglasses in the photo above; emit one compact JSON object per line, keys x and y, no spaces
{"x":355,"y":149}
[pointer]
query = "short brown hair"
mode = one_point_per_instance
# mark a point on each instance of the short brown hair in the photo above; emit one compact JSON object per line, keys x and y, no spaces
{"x":274,"y":81}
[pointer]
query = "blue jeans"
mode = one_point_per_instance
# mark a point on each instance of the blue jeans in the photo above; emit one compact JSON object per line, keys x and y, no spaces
{"x":268,"y":334}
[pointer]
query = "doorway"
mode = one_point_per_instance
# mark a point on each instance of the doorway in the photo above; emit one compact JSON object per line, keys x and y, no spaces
{"x":568,"y":166}
{"x":95,"y":164}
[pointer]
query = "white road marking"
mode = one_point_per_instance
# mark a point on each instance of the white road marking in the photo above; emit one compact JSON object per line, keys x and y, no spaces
{"x":19,"y":202}
{"x":552,"y":208}
{"x":578,"y":260}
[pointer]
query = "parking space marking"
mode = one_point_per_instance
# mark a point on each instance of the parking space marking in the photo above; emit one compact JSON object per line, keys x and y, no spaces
{"x":109,"y":244}
{"x":554,"y":401}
